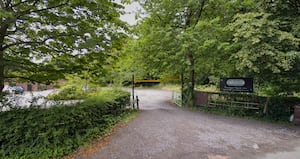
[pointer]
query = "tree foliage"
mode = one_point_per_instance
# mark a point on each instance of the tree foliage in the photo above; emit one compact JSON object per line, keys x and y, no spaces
{"x":235,"y":38}
{"x":42,"y":40}
{"x":267,"y":46}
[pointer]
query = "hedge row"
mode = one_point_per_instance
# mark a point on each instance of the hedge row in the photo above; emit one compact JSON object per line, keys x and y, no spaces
{"x":281,"y":108}
{"x":57,"y":131}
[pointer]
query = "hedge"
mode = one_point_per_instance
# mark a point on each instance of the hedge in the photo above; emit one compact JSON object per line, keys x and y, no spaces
{"x":57,"y":131}
{"x":281,"y":108}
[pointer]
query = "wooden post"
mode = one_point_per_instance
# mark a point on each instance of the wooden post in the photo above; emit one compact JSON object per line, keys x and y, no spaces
{"x":132,"y":82}
{"x":266,"y":105}
{"x":182,"y":89}
{"x":137,"y":102}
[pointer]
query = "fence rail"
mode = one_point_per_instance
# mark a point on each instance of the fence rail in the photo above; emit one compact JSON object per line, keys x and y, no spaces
{"x":239,"y":100}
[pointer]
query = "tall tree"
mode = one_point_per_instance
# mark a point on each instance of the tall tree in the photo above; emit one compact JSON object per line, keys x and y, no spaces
{"x":267,"y":45}
{"x":187,"y":37}
{"x":40,"y":40}
{"x":170,"y":21}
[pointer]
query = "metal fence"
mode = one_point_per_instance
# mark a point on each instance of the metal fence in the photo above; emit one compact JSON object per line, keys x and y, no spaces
{"x":222,"y":99}
{"x":176,"y":98}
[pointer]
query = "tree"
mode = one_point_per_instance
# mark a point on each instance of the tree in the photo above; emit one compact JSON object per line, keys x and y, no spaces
{"x":267,"y":46}
{"x":41,"y":40}
{"x":164,"y":36}
{"x":188,"y":37}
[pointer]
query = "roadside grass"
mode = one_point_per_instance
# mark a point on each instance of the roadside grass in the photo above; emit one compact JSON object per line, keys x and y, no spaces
{"x":164,"y":86}
{"x":240,"y":113}
{"x":177,"y":87}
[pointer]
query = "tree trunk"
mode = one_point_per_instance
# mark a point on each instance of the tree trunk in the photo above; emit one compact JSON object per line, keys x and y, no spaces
{"x":191,"y":83}
{"x":3,"y":31}
{"x":1,"y":72}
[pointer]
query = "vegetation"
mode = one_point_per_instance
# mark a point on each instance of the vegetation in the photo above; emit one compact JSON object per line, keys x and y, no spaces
{"x":57,"y":131}
{"x":276,"y":108}
{"x":73,"y":89}
{"x":209,"y":39}
{"x":68,"y":93}
{"x":196,"y":40}
{"x":42,"y":41}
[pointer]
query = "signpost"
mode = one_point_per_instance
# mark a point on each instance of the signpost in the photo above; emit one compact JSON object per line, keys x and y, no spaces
{"x":132,"y":82}
{"x":236,"y":84}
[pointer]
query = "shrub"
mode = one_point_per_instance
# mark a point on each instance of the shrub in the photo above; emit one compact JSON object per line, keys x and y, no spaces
{"x":68,"y":93}
{"x":57,"y":131}
{"x":280,"y":108}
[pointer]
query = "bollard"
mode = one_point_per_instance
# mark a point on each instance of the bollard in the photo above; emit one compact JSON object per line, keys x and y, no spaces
{"x":137,"y":102}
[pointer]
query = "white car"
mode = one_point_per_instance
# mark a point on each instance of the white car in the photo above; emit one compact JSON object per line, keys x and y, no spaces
{"x":7,"y":89}
{"x":15,"y":89}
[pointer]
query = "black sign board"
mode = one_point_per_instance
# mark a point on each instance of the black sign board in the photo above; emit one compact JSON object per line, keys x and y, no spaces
{"x":236,"y":84}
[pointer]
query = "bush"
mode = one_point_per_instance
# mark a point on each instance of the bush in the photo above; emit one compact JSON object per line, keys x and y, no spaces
{"x":68,"y":93}
{"x":280,"y":108}
{"x":57,"y":131}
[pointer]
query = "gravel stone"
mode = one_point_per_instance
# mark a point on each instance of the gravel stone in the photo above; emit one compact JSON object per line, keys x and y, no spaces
{"x":165,"y":131}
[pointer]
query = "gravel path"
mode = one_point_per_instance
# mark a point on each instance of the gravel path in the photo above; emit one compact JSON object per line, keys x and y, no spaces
{"x":164,"y":131}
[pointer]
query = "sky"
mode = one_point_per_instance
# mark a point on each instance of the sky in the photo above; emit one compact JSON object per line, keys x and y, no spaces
{"x":131,"y":10}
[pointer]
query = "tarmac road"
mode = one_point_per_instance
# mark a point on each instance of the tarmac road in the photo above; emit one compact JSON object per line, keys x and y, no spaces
{"x":165,"y":131}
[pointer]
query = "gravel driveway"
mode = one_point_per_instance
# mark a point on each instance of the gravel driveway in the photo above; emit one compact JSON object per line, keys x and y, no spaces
{"x":164,"y":131}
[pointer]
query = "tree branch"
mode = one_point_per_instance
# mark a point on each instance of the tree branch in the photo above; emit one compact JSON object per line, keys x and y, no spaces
{"x":8,"y":3}
{"x":1,"y":4}
{"x":24,"y":78}
{"x":26,"y":42}
{"x":3,"y":31}
{"x":41,"y":10}
{"x":10,"y":32}
{"x":64,"y":50}
{"x":296,"y":5}
{"x":200,"y":13}
{"x":21,"y":2}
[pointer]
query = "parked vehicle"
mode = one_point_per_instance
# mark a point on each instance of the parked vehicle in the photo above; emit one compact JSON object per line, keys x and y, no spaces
{"x":18,"y":89}
{"x":14,"y":89}
{"x":7,"y":89}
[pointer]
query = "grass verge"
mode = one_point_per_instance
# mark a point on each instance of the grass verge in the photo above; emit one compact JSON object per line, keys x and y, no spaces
{"x":240,"y":113}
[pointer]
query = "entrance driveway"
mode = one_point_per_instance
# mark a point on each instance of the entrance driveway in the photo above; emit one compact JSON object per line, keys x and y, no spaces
{"x":165,"y":131}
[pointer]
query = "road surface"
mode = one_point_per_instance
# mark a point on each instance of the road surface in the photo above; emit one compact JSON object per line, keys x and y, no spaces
{"x":164,"y":131}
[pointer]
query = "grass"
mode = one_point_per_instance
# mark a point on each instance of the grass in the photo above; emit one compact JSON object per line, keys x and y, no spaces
{"x":177,"y":87}
{"x":230,"y":113}
{"x":206,"y":88}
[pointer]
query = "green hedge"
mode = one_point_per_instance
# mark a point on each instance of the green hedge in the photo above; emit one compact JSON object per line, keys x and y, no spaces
{"x":68,"y":93}
{"x":281,"y":108}
{"x":57,"y":131}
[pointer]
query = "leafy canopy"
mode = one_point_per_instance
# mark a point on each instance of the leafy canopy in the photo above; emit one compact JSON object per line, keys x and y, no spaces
{"x":42,"y":40}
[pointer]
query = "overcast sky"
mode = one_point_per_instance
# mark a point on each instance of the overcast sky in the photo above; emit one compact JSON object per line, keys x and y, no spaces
{"x":130,"y":10}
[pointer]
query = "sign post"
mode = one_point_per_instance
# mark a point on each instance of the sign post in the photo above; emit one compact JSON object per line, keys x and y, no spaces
{"x":132,"y":89}
{"x":236,"y":84}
